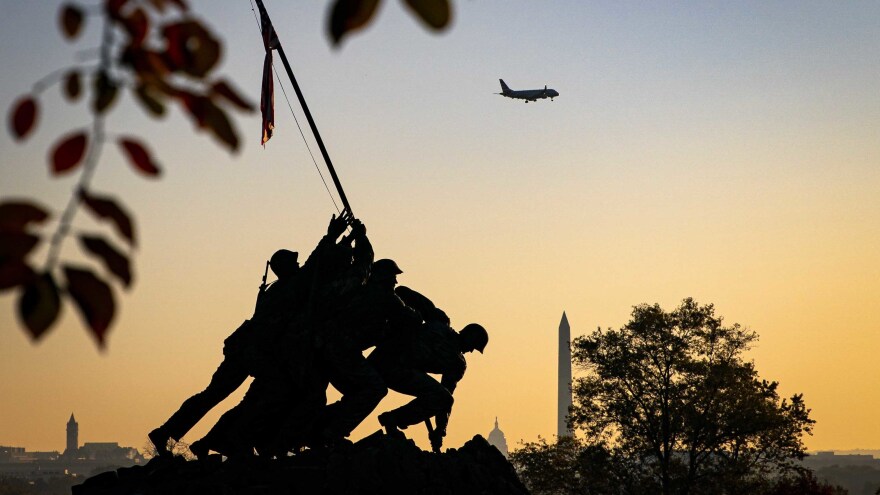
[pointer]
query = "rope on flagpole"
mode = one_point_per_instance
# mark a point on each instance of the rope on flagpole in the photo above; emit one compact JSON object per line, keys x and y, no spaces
{"x":289,"y":106}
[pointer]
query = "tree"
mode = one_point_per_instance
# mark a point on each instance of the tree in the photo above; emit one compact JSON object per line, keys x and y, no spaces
{"x":569,"y":465}
{"x":159,"y":53}
{"x":676,"y":404}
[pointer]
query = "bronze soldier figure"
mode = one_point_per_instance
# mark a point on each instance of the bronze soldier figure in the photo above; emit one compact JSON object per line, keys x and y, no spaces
{"x":404,"y":366}
{"x":283,"y":404}
{"x":236,"y":366}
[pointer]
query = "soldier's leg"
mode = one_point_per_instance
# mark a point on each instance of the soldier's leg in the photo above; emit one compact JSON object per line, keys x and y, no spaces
{"x":361,"y":386}
{"x":258,"y":414}
{"x":431,"y":398}
{"x":228,"y":377}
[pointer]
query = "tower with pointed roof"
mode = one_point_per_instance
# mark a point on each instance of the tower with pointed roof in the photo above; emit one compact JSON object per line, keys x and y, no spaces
{"x":564,"y":391}
{"x":72,"y":436}
{"x":497,"y":439}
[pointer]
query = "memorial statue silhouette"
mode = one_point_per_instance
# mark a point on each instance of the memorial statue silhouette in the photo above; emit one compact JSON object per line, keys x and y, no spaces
{"x":310,"y":329}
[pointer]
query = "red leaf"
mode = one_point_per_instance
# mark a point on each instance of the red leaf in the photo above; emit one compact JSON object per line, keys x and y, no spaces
{"x":15,"y":216}
{"x":139,"y":157}
{"x":191,"y":48}
{"x":71,"y":21}
{"x":69,"y":152}
{"x":197,"y":106}
{"x":15,"y":273}
{"x":160,"y":4}
{"x":94,"y":298}
{"x":226,"y":91}
{"x":219,"y":123}
{"x":434,"y":13}
{"x":350,"y":15}
{"x":72,"y":86}
{"x":114,"y":8}
{"x":106,"y":208}
{"x":23,"y":117}
{"x":137,"y":24}
{"x":39,"y":305}
{"x":16,"y":245}
{"x":146,"y":95}
{"x":208,"y":115}
{"x":114,"y":260}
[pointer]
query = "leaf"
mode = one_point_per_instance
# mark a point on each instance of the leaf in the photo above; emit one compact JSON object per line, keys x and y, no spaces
{"x":113,"y":8}
{"x":105,"y":92}
{"x":223,"y":89}
{"x":150,"y":100}
{"x":210,"y":116}
{"x":191,"y":48}
{"x":71,"y":21}
{"x":350,"y":15}
{"x":139,"y":157}
{"x":137,"y":25}
{"x":69,"y":152}
{"x":17,"y":245}
{"x":14,"y":273}
{"x":94,"y":298}
{"x":15,"y":216}
{"x":114,"y":260}
{"x":221,"y":127}
{"x":72,"y":85}
{"x":39,"y":305}
{"x":160,"y":4}
{"x":23,"y":117}
{"x":435,"y":13}
{"x":106,"y":208}
{"x":148,"y":65}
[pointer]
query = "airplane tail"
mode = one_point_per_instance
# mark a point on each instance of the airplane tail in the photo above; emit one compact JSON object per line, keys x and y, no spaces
{"x":504,"y":88}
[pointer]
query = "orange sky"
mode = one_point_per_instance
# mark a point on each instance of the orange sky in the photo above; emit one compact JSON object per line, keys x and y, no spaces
{"x":729,"y":153}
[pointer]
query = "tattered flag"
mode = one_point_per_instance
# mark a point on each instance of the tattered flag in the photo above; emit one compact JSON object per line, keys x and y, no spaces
{"x":267,"y":95}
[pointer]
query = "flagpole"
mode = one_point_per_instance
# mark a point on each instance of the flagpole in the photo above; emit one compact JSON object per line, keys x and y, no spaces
{"x":305,"y":107}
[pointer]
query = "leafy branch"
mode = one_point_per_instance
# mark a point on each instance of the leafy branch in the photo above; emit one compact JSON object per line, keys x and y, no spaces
{"x":162,"y":55}
{"x":158,"y":52}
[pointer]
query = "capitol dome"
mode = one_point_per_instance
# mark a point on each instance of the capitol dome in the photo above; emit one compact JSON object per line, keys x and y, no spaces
{"x":497,"y":440}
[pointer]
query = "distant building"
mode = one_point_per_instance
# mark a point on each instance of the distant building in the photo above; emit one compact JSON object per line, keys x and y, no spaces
{"x":856,"y":473}
{"x":497,"y":440}
{"x":824,"y":459}
{"x":8,"y":454}
{"x":72,"y":436}
{"x":76,"y":461}
{"x":107,"y":452}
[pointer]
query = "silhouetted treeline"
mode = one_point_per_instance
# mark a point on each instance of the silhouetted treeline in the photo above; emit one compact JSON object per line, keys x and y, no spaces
{"x":668,"y":404}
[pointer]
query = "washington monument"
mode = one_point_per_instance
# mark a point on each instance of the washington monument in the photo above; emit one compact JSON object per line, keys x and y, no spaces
{"x":564,"y":397}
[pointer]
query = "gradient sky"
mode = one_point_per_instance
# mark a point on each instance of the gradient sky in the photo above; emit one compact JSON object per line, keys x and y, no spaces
{"x":728,"y":151}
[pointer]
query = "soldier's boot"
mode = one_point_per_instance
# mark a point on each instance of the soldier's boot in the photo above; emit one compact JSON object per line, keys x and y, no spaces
{"x":392,"y":427}
{"x":160,"y":438}
{"x":199,"y":449}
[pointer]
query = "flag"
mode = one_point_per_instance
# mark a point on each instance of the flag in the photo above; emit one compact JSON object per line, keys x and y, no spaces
{"x":267,"y":95}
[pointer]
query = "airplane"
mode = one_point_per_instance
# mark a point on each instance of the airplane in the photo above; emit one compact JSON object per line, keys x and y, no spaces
{"x":527,"y":94}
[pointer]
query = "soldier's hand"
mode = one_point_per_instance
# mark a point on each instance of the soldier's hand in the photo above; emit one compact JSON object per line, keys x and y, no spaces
{"x":337,"y":226}
{"x":358,"y":229}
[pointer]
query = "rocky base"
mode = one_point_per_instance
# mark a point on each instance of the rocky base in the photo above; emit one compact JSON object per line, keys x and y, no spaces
{"x":376,"y":464}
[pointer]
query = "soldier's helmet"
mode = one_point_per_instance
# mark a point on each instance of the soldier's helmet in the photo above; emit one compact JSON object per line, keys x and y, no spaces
{"x":476,"y":335}
{"x":284,"y":263}
{"x":383,"y":269}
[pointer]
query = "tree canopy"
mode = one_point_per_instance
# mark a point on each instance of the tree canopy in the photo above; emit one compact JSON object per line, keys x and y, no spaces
{"x":678,"y":409}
